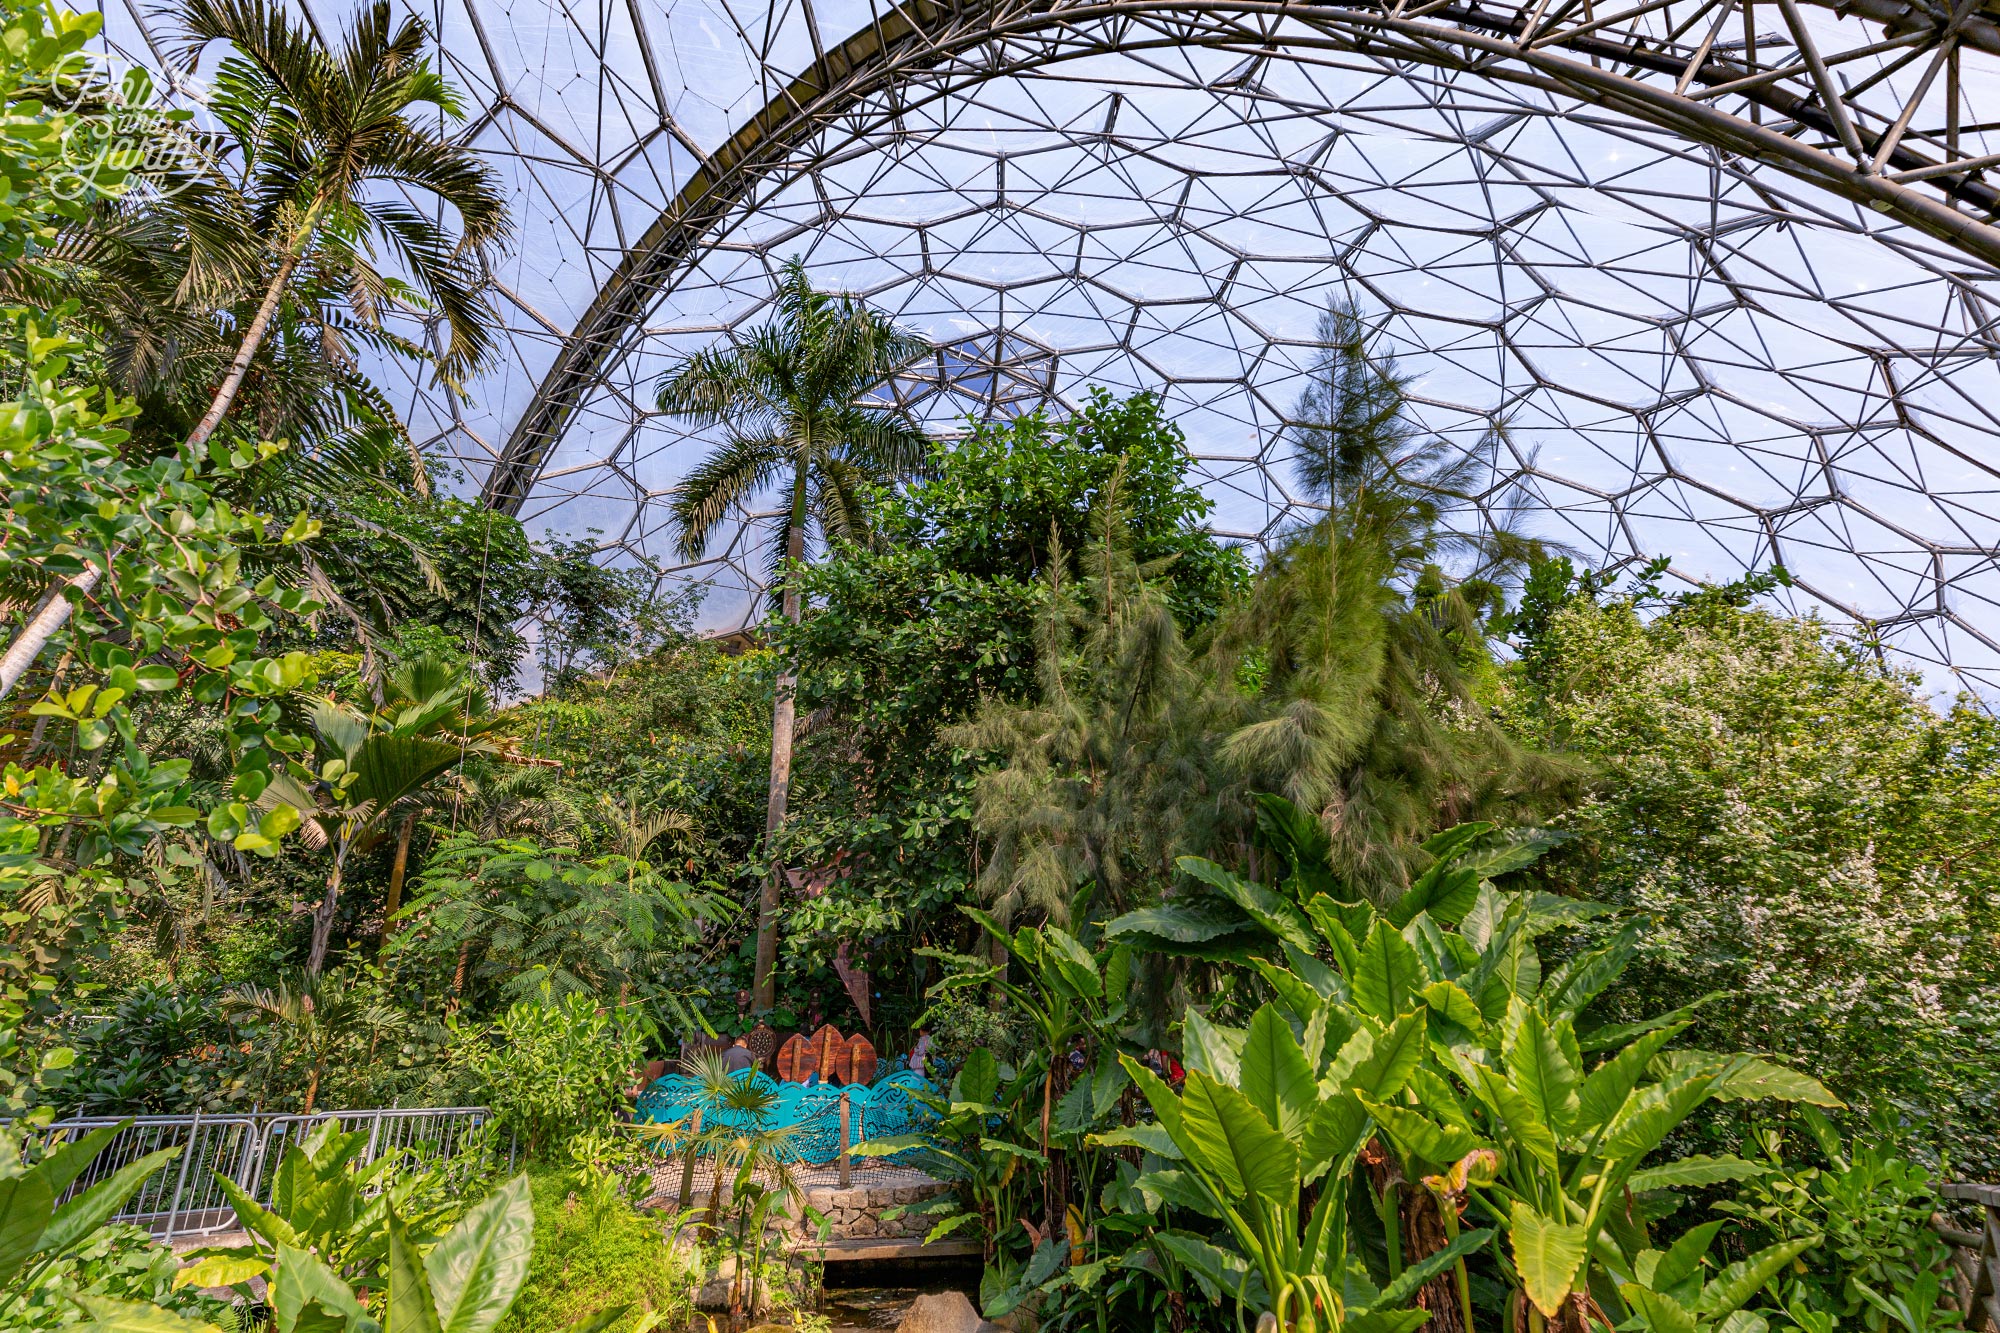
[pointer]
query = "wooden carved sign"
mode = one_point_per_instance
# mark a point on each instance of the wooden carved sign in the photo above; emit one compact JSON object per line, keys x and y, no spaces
{"x":861,"y":1061}
{"x":797,"y":1059}
{"x":831,"y":1049}
{"x":836,"y":1059}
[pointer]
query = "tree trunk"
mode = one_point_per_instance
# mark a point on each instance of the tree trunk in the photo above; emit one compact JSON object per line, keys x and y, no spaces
{"x":35,"y":635}
{"x":322,"y":936}
{"x":396,"y":869}
{"x":246,"y":352}
{"x":764,"y":990}
{"x":1423,"y":1236}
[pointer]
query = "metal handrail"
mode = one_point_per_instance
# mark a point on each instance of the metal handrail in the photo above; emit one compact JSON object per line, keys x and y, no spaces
{"x":186,"y":1199}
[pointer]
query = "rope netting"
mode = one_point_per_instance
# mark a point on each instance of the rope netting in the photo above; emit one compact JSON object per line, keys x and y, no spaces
{"x":886,"y":1108}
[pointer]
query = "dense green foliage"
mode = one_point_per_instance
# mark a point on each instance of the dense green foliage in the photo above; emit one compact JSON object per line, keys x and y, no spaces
{"x":1400,"y":930}
{"x":1806,"y":831}
{"x":594,"y":1253}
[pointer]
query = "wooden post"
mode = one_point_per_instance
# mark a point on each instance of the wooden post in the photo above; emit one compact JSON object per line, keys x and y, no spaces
{"x":1976,"y":1255}
{"x":686,"y":1197}
{"x":846,"y":1161}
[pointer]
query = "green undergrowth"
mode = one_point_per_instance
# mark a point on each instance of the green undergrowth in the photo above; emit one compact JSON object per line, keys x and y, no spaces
{"x":594,"y":1251}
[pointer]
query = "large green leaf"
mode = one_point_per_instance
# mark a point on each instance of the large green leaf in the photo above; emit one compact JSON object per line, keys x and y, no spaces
{"x":1542,"y":1072}
{"x":1072,"y":962}
{"x":1448,"y":1000}
{"x":1299,"y":998}
{"x":1275,"y":1075}
{"x":221,"y":1270}
{"x":301,"y":1283}
{"x":1177,"y":1189}
{"x":978,"y":1079}
{"x":1659,"y":1314}
{"x":1185,"y":921}
{"x":1694,"y":1171}
{"x":1395,"y":1055}
{"x":1436,"y":1145}
{"x":66,"y":1163}
{"x":1747,"y":1078}
{"x":1148,"y":1138}
{"x":1234,"y":1143}
{"x":1580,"y":980}
{"x":1682,"y":1259}
{"x":1212,"y":1048}
{"x":1328,"y":983}
{"x":255,"y":1217}
{"x":1388,"y":974}
{"x":1547,"y":1255}
{"x":1222,"y":1275}
{"x":25,"y":1208}
{"x":410,"y":1308}
{"x":1605,"y":1090}
{"x":1166,"y":1106}
{"x":1743,"y":1279}
{"x":1651,"y":1114}
{"x":1523,"y":1119}
{"x":1264,"y":907}
{"x":479,"y":1266}
{"x":108,"y":1315}
{"x":1338,"y":1127}
{"x":76,"y":1220}
{"x":1404,"y":1287}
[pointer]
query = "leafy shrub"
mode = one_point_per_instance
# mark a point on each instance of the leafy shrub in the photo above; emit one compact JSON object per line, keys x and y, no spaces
{"x":551,"y":1068}
{"x":1871,"y":1205}
{"x":594,"y":1252}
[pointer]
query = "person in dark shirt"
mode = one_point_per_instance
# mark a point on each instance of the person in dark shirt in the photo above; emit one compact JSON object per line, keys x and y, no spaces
{"x":738,"y":1058}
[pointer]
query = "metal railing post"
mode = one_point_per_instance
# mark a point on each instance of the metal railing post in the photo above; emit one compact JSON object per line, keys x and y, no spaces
{"x":180,"y":1181}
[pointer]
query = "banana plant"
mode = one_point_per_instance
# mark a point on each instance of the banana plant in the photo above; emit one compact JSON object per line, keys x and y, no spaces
{"x":1263,"y":1139}
{"x":38,"y":1229}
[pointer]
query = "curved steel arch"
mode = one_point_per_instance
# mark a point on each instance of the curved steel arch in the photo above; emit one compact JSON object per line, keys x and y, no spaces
{"x":1793,"y":112}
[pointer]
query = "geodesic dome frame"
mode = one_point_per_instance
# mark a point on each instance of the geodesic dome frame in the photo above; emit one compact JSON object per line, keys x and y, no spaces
{"x":1720,"y":269}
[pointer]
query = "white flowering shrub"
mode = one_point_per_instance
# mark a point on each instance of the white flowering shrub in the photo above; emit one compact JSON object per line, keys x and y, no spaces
{"x":1811,"y":835}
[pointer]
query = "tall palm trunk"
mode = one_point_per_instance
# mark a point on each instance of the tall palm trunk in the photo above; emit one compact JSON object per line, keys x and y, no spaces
{"x":322,"y":935}
{"x":54,"y":613}
{"x":764,"y":991}
{"x":397,"y":869}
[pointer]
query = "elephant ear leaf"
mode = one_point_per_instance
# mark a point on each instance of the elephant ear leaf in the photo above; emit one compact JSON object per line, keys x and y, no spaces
{"x":1235,"y":1143}
{"x":411,"y":1307}
{"x":1276,"y":1077}
{"x":477,"y":1269}
{"x":1547,"y":1255}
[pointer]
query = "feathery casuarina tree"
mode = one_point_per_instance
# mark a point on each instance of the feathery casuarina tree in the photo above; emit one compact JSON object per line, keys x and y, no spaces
{"x":789,"y":399}
{"x":1369,"y":657}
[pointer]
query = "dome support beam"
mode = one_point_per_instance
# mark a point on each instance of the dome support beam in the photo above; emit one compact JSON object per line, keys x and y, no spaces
{"x":1795,"y":116}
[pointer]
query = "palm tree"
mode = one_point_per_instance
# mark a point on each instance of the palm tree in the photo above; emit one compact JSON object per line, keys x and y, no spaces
{"x":789,"y":401}
{"x":312,"y":1017}
{"x":311,"y":183}
{"x":375,"y":767}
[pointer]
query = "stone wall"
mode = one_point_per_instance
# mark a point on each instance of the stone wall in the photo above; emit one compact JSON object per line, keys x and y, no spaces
{"x":856,"y":1212}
